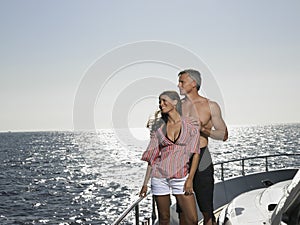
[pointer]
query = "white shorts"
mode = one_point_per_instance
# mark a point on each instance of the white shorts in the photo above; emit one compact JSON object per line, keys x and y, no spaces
{"x":163,"y":186}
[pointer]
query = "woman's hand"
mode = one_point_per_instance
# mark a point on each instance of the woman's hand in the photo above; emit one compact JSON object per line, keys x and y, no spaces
{"x":143,"y":191}
{"x":188,"y":187}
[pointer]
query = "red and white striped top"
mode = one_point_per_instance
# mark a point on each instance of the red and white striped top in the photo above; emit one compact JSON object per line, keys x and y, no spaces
{"x":171,"y":159}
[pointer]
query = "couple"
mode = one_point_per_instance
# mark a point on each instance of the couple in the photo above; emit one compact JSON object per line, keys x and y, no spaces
{"x":177,"y":155}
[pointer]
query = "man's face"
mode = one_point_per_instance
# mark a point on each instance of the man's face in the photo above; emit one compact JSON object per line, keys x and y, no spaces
{"x":185,"y":84}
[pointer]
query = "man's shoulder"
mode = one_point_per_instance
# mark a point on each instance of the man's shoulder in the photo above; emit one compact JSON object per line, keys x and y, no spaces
{"x":202,"y":101}
{"x":213,"y":103}
{"x":197,"y":99}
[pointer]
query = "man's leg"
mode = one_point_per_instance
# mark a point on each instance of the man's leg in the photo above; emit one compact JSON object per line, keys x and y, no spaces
{"x":204,"y":188}
{"x":208,"y":219}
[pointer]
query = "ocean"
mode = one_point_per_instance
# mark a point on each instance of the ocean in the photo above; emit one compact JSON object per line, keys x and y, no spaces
{"x":92,"y":177}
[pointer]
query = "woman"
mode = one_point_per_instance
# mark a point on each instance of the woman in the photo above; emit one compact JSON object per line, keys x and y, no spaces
{"x":173,"y":141}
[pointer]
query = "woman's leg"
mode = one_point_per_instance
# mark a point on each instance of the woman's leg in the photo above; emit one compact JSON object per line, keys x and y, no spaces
{"x":188,"y":206}
{"x":163,"y":206}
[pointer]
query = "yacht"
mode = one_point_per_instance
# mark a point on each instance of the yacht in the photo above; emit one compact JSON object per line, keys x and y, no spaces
{"x":268,"y":197}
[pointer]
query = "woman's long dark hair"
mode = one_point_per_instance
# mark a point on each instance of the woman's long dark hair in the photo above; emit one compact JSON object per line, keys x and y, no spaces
{"x":159,"y":117}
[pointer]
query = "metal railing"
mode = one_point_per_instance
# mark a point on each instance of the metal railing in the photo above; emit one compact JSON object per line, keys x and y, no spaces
{"x":242,"y":160}
{"x":135,"y":205}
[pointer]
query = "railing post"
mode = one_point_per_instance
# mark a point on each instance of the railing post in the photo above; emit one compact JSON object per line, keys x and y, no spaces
{"x":243,"y":167}
{"x":137,"y":215}
{"x":222,"y":172}
{"x":148,"y":220}
{"x":267,"y":169}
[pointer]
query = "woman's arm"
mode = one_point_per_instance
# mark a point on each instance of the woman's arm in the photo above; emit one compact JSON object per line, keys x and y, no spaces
{"x":194,"y":146}
{"x":143,"y":191}
{"x":188,"y":186}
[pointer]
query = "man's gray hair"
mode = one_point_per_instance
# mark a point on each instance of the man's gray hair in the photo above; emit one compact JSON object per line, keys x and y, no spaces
{"x":194,"y":74}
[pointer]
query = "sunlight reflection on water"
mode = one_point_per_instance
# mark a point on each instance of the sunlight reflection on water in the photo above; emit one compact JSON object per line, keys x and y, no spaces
{"x":92,"y":177}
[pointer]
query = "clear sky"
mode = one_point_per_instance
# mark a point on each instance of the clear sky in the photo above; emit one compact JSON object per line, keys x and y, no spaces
{"x":251,"y":47}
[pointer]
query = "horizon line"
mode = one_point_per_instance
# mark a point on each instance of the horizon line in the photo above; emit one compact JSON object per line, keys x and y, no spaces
{"x":111,"y":128}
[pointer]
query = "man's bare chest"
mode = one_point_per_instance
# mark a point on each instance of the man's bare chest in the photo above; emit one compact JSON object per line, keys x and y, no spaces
{"x":200,"y":112}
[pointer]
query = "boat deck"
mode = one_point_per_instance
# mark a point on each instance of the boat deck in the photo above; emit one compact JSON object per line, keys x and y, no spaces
{"x":227,"y":189}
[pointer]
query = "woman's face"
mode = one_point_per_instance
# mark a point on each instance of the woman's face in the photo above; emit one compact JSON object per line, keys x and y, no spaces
{"x":166,"y":104}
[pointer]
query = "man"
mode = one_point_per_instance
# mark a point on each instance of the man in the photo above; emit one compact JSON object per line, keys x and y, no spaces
{"x":208,"y":114}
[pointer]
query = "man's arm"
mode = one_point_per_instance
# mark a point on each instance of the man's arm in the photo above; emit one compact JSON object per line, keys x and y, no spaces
{"x":219,"y":129}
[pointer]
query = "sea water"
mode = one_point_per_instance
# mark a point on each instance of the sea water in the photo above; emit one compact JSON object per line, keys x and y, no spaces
{"x":92,"y":177}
